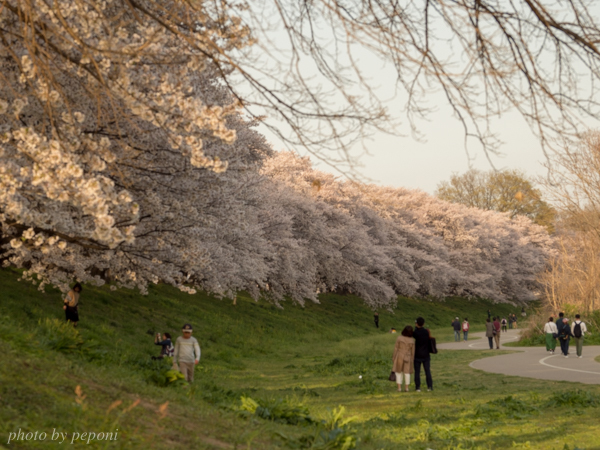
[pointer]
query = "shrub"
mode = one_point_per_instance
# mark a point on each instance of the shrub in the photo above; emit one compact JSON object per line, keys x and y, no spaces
{"x":277,"y":410}
{"x":63,"y":337}
{"x":577,"y":397}
{"x":332,"y":433}
{"x":164,"y":374}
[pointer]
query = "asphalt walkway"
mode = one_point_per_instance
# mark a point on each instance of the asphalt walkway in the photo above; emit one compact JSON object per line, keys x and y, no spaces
{"x":533,"y":362}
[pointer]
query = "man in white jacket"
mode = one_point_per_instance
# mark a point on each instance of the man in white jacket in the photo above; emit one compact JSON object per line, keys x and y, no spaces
{"x":187,"y":352}
{"x":579,"y":330}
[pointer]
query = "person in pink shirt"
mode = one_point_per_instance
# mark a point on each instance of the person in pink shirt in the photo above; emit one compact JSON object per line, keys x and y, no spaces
{"x":497,"y":332}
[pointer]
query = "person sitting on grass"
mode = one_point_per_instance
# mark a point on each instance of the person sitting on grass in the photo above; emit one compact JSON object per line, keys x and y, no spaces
{"x":187,"y":353}
{"x":71,"y":304}
{"x":167,"y":349}
{"x":404,"y":355}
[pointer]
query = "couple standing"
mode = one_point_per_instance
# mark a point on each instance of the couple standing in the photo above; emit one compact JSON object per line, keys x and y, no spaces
{"x":413,"y":350}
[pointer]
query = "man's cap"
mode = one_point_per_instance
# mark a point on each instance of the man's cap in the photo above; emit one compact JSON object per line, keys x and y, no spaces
{"x":187,"y":327}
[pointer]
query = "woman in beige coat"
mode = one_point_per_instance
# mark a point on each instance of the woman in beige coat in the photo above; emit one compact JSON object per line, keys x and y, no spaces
{"x":404,"y":357}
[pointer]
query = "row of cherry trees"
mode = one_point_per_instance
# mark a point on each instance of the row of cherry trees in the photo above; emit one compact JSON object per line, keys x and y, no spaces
{"x":379,"y":241}
{"x":125,"y":156}
{"x":269,"y":224}
{"x":274,"y":226}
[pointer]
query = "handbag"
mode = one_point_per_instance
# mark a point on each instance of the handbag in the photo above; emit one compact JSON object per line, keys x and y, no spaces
{"x":392,"y":376}
{"x":432,"y":344}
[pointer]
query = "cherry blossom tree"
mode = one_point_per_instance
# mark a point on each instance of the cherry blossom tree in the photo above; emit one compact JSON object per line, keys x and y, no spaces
{"x":420,"y":245}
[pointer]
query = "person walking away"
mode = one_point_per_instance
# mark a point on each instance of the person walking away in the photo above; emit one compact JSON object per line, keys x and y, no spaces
{"x":503,"y":323}
{"x":579,"y":330}
{"x":404,"y":357}
{"x":71,"y":304}
{"x":456,"y":326}
{"x":497,"y":332}
{"x":376,"y":319}
{"x":422,"y":356}
{"x":489,"y":332}
{"x":167,"y":349}
{"x":565,"y":337}
{"x":551,"y":332}
{"x":560,"y":323}
{"x":465,"y":329}
{"x":187,"y":352}
{"x":515,"y":321}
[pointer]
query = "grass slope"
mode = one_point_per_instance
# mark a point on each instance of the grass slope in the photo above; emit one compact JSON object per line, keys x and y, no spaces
{"x":269,"y":377}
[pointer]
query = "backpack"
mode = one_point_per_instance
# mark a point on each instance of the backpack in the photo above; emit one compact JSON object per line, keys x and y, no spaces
{"x":577,"y":330}
{"x":503,"y":321}
{"x":465,"y":326}
{"x":170,"y":351}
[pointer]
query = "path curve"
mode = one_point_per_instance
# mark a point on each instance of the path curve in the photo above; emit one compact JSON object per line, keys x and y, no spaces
{"x":533,"y":362}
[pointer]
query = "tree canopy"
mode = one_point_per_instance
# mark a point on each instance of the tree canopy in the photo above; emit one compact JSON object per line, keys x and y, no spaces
{"x":508,"y":191}
{"x":128,"y":150}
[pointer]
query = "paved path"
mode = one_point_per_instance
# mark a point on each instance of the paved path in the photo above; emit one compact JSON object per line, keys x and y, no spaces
{"x":533,"y":362}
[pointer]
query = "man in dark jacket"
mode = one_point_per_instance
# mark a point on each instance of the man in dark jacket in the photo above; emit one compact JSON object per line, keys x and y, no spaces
{"x":456,"y":326}
{"x":564,"y":336}
{"x":421,"y":336}
{"x":559,"y":322}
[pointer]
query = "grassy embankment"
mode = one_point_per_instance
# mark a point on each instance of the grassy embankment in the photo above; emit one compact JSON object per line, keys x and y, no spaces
{"x":298,"y":364}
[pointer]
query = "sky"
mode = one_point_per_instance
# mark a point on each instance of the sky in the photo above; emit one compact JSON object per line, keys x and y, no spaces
{"x":404,"y":161}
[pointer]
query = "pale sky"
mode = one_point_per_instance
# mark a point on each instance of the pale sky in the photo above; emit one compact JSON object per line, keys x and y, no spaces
{"x":403,"y":161}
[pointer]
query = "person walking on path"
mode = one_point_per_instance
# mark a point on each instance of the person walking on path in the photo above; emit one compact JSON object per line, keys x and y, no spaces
{"x":503,"y":323}
{"x":456,"y":326}
{"x":559,"y":323}
{"x":187,"y":353}
{"x":167,"y":349}
{"x":565,"y":336}
{"x":376,"y":319}
{"x":510,"y":322}
{"x":497,"y":332}
{"x":515,"y":321}
{"x":404,"y":357}
{"x":465,"y":329}
{"x":422,"y":356}
{"x":489,"y":332}
{"x":551,"y":332}
{"x":71,"y":304}
{"x":579,"y":330}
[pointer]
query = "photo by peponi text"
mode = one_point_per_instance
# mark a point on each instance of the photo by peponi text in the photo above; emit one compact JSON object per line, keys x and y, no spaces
{"x":61,"y":436}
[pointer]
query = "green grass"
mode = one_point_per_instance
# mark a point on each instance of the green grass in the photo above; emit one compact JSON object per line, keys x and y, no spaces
{"x":269,"y":377}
